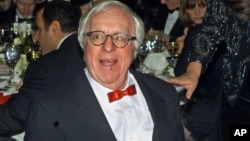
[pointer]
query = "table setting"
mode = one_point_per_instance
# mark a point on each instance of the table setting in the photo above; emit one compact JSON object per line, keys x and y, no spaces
{"x":8,"y":83}
{"x":157,"y":56}
{"x":17,"y":50}
{"x":10,"y":75}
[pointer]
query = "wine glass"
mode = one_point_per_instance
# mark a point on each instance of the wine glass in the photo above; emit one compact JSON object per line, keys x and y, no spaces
{"x":157,"y":40}
{"x":12,"y":55}
{"x":172,"y":48}
{"x":142,"y":54}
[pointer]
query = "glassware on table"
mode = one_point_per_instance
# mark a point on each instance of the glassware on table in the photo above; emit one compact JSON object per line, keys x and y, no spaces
{"x":33,"y":55}
{"x":141,"y":55}
{"x":12,"y":55}
{"x":31,"y":48}
{"x":172,"y":48}
{"x":155,"y":42}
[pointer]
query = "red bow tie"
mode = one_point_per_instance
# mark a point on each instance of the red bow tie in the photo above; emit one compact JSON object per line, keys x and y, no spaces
{"x":117,"y":94}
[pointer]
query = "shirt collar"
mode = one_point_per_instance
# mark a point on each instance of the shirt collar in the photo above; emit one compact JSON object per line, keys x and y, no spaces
{"x":58,"y":46}
{"x":18,"y":15}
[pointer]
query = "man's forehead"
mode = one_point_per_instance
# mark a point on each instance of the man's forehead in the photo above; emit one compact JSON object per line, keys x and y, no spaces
{"x":26,"y":1}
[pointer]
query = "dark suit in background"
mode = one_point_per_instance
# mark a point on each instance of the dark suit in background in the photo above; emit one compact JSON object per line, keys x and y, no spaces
{"x":159,"y":22}
{"x":70,"y":110}
{"x":50,"y":69}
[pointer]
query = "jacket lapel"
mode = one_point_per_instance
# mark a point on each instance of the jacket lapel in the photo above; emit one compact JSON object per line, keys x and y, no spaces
{"x":93,"y":120}
{"x":89,"y":113}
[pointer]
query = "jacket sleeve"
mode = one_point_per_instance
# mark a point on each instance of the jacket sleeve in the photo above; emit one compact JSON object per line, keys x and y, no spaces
{"x":14,"y":112}
{"x":39,"y":126}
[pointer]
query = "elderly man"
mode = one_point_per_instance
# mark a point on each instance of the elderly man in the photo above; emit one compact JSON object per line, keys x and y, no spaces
{"x":107,"y":101}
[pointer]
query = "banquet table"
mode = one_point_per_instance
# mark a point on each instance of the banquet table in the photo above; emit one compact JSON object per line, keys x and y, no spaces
{"x":6,"y":90}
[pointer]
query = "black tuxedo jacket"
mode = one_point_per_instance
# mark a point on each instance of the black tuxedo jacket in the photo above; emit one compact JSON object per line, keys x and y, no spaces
{"x":71,"y":112}
{"x":50,"y":69}
{"x":160,"y":20}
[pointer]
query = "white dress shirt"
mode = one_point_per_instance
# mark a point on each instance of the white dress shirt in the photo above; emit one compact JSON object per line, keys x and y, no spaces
{"x":171,"y":20}
{"x":22,"y":26}
{"x":128,"y":117}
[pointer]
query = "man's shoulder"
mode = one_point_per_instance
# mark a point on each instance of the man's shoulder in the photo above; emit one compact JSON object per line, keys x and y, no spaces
{"x":151,"y":81}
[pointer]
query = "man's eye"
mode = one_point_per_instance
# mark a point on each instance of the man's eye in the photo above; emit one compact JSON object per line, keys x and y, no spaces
{"x":97,"y":37}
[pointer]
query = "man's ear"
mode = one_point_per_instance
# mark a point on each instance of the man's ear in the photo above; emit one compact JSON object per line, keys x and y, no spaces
{"x":55,"y":27}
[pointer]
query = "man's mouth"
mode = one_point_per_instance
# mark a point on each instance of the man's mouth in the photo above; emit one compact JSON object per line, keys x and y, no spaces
{"x":108,"y":62}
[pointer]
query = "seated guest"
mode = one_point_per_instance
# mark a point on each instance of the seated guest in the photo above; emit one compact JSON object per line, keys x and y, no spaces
{"x":167,"y":19}
{"x":61,"y":58}
{"x":106,"y":101}
{"x":22,"y":12}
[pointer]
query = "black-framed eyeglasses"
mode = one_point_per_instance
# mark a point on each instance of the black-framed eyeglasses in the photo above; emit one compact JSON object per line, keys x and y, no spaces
{"x":119,"y":40}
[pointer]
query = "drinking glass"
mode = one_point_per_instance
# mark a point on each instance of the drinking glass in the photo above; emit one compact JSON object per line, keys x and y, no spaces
{"x":12,"y":55}
{"x":157,"y":40}
{"x":141,"y":55}
{"x":172,"y":48}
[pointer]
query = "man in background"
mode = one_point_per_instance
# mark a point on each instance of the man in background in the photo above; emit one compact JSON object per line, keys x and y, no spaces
{"x":167,"y":19}
{"x":21,"y":11}
{"x":61,"y":59}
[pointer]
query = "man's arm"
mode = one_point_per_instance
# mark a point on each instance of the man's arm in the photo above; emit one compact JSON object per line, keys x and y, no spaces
{"x":13,"y":113}
{"x":189,"y":79}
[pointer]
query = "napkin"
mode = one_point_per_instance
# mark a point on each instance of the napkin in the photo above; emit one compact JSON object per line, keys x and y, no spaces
{"x":3,"y":98}
{"x":157,"y":62}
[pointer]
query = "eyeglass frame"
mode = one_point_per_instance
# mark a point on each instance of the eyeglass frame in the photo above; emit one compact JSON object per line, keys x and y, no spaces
{"x":111,"y":36}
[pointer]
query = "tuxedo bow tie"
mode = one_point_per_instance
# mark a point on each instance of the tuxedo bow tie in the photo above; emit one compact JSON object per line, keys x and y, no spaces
{"x":20,"y":20}
{"x":117,"y":94}
{"x":172,"y":11}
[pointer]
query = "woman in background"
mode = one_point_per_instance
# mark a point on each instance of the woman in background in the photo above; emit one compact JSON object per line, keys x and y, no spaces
{"x":227,"y":22}
{"x":204,"y":103}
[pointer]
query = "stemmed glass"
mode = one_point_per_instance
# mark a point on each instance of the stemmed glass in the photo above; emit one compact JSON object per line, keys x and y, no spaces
{"x":154,"y":42}
{"x":172,"y":48}
{"x":157,"y":40}
{"x":12,"y":55}
{"x":141,"y":55}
